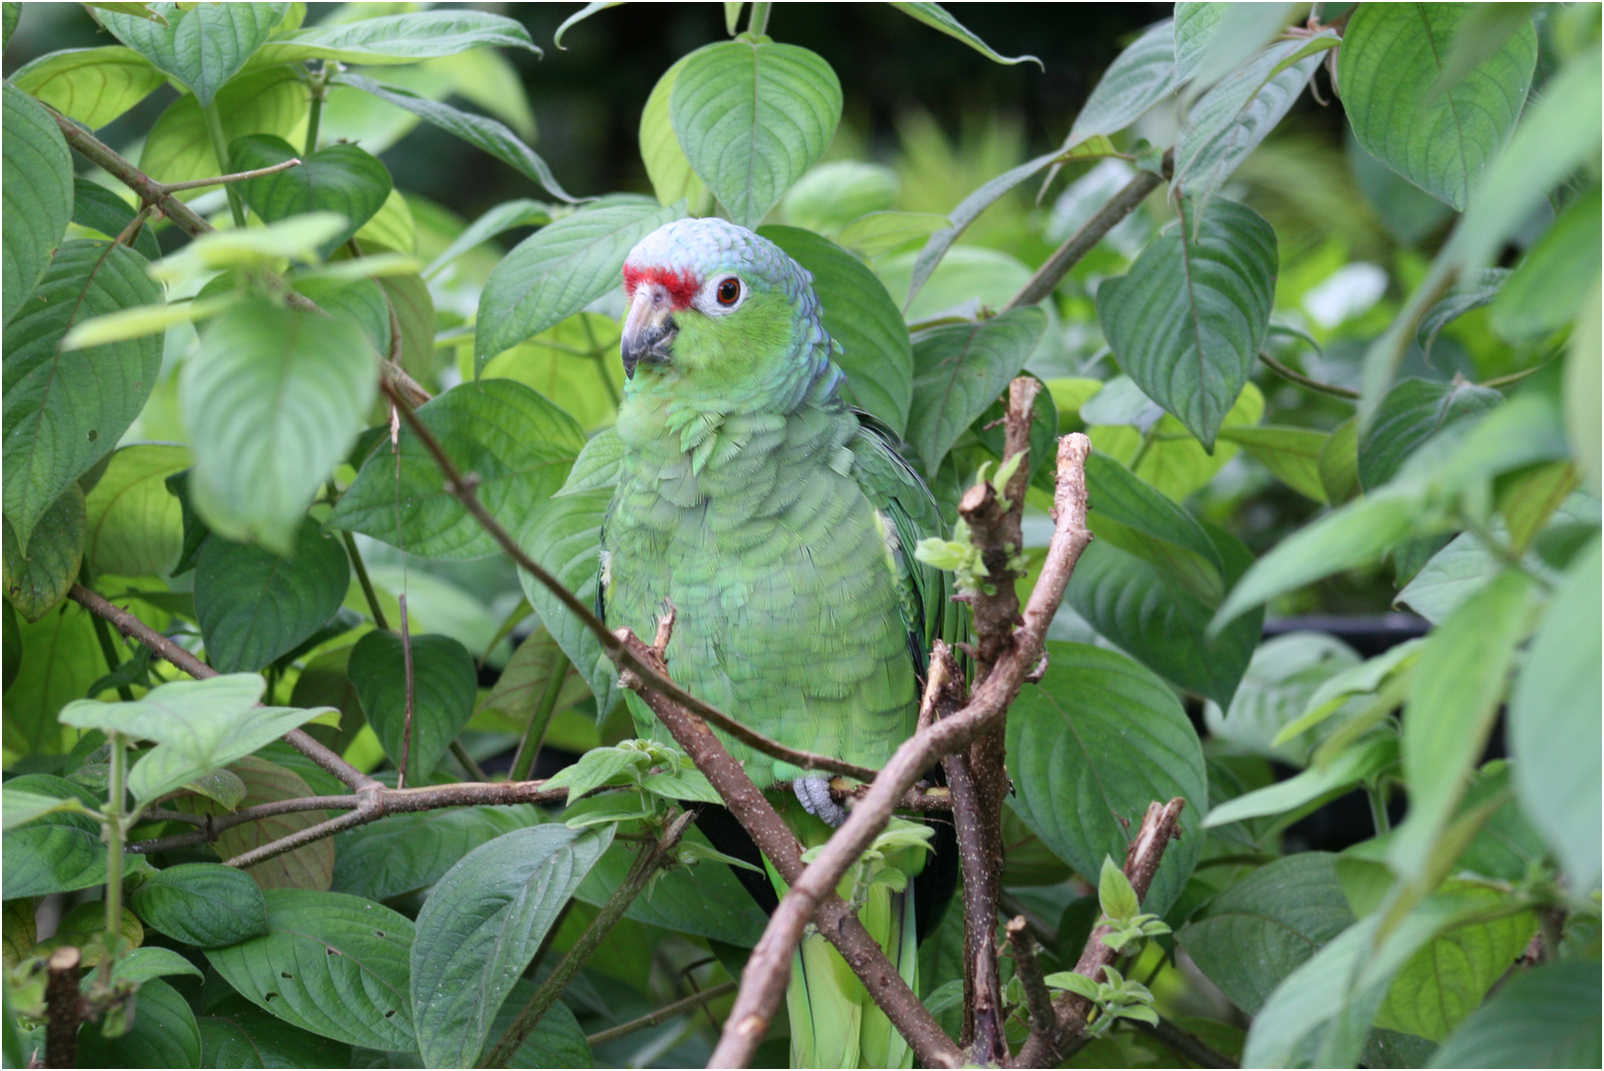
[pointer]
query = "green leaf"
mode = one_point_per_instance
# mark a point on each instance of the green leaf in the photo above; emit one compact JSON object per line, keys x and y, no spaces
{"x":526,"y":684}
{"x":563,"y":536}
{"x":1474,"y":292}
{"x":1260,"y":930}
{"x":1450,"y":576}
{"x":92,"y":85}
{"x":480,"y":131}
{"x":1114,"y":893}
{"x":22,"y":807}
{"x":96,"y":208}
{"x":558,"y":270}
{"x":1282,"y":676}
{"x":63,"y":661}
{"x":201,"y":46}
{"x":443,"y":686}
{"x":1097,"y":741}
{"x":1546,"y":291}
{"x":134,"y":524}
{"x":505,"y":216}
{"x":307,"y":867}
{"x":519,"y":444}
{"x":64,"y":411}
{"x":959,"y":371}
{"x":1583,"y":397}
{"x":831,"y":195}
{"x":1454,"y":695}
{"x":143,"y":964}
{"x":202,"y":904}
{"x":38,"y":196}
{"x":1445,"y":981}
{"x":1392,"y":58}
{"x":668,"y":169}
{"x":1365,"y":678}
{"x":1139,"y":78}
{"x":254,"y":606}
{"x":880,"y":234}
{"x":37,"y":581}
{"x":706,"y":899}
{"x":1187,"y":321}
{"x":577,"y":361}
{"x":1195,"y":26}
{"x":877,"y":355}
{"x":389,"y":39}
{"x":407,"y":852}
{"x":1127,"y":513}
{"x":332,"y":964}
{"x":1545,"y":1017}
{"x":1365,"y":759}
{"x":1234,"y":33}
{"x":938,"y":18}
{"x":45,"y":858}
{"x":337,"y":178}
{"x":238,"y":1034}
{"x":557,"y":1040}
{"x":163,"y":1034}
{"x":273,"y":400}
{"x":480,"y":927}
{"x":751,"y":117}
{"x":1291,"y":454}
{"x":271,"y":101}
{"x":1553,"y":723}
{"x":267,"y":247}
{"x":590,"y":9}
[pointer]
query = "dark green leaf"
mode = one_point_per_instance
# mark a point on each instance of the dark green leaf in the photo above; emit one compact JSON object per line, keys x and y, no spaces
{"x":959,"y":371}
{"x":1091,"y":746}
{"x":268,"y":101}
{"x":557,"y":1040}
{"x":98,"y":209}
{"x":43,"y":857}
{"x":519,"y":445}
{"x":1130,"y":515}
{"x":238,"y":1034}
{"x":706,"y":899}
{"x":66,"y":410}
{"x":1187,"y":321}
{"x":1478,"y":290}
{"x":563,"y":536}
{"x":443,"y":686}
{"x":537,"y":677}
{"x":332,"y":964}
{"x":1547,"y":1017}
{"x":143,"y":964}
{"x":37,"y":581}
{"x":481,"y":925}
{"x":201,"y":46}
{"x":406,"y":852}
{"x":63,"y":661}
{"x":38,"y":196}
{"x":253,"y":606}
{"x":338,"y":178}
{"x":163,"y":1035}
{"x":202,"y":904}
{"x":91,"y":85}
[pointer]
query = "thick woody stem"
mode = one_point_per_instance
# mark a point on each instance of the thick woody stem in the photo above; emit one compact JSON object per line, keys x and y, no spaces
{"x":64,"y":1008}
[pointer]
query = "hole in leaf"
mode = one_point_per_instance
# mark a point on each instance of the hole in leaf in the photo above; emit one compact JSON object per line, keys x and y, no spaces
{"x":270,"y":996}
{"x":285,"y":974}
{"x":378,"y":933}
{"x":389,"y":1013}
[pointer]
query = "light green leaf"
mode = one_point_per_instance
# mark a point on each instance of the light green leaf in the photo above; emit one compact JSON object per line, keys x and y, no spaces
{"x":1114,"y":893}
{"x":1195,"y":25}
{"x":139,"y":321}
{"x":1583,"y":396}
{"x":339,"y":178}
{"x":1450,"y":576}
{"x":503,"y":217}
{"x":254,"y":606}
{"x":388,"y":39}
{"x":65,"y":411}
{"x":577,"y":361}
{"x":1187,"y":321}
{"x":272,"y":401}
{"x":268,"y":247}
{"x":37,"y":182}
{"x":563,"y":536}
{"x":63,"y":661}
{"x":202,"y":46}
{"x":518,"y":443}
{"x":938,"y":18}
{"x":877,"y":355}
{"x":37,"y":581}
{"x":91,"y":85}
{"x":332,"y":964}
{"x":21,"y":806}
{"x":236,"y":1033}
{"x":1139,"y":78}
{"x":751,"y":117}
{"x":443,"y":681}
{"x":481,"y":925}
{"x":1392,"y":57}
{"x":1445,"y":981}
{"x":1554,"y":724}
{"x":202,"y":904}
{"x":558,"y":270}
{"x":1547,"y":290}
{"x":271,"y":101}
{"x":959,"y":371}
{"x":1282,"y":676}
{"x":1291,"y":454}
{"x":1239,"y":31}
{"x":833,"y":194}
{"x":586,"y":12}
{"x":666,"y":165}
{"x":1365,"y":759}
{"x":1544,"y":1017}
{"x":1366,"y":678}
{"x":880,"y":234}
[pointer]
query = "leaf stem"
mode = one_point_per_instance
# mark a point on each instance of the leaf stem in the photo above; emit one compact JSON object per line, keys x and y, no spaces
{"x":214,"y":131}
{"x":661,"y":1015}
{"x":103,"y":634}
{"x":319,"y":85}
{"x":1304,"y":381}
{"x":115,"y":792}
{"x":535,"y":732}
{"x":757,"y":22}
{"x":1376,"y":795}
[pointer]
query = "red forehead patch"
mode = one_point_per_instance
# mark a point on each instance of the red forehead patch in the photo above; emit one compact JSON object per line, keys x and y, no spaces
{"x":681,"y":286}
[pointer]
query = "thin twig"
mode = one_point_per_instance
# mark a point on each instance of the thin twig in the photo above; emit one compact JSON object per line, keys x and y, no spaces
{"x":1038,"y":1000}
{"x":150,"y":191}
{"x":661,"y":1015}
{"x":1302,"y":380}
{"x":237,"y":176}
{"x":406,"y":719}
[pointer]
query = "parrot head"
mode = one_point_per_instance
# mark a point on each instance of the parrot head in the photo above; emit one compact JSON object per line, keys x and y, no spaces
{"x":712,"y":304}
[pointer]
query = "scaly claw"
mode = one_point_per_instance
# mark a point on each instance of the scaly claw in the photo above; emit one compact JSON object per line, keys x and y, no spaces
{"x":814,"y":795}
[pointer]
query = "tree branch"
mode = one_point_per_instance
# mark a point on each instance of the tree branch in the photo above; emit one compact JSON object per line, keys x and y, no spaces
{"x":1038,"y":999}
{"x":64,"y":1008}
{"x":661,"y":1015}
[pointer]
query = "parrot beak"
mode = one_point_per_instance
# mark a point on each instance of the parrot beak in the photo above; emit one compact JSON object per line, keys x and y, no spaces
{"x":649,"y":328}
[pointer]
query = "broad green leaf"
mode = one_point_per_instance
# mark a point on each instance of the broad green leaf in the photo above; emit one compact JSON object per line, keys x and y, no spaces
{"x":577,"y":361}
{"x":44,"y":858}
{"x":938,"y":18}
{"x":1544,"y":1017}
{"x":272,"y":400}
{"x":833,"y":194}
{"x":751,"y":117}
{"x":1407,"y":212}
{"x":519,"y":444}
{"x":143,"y":964}
{"x":338,"y":178}
{"x":1175,"y":463}
{"x":391,"y":227}
{"x":202,"y":904}
{"x":1139,"y":78}
{"x":503,"y":217}
{"x":1234,"y":36}
{"x":332,"y":964}
{"x":92,"y":85}
{"x":1480,"y":288}
{"x":1391,"y":59}
{"x":557,"y":1040}
{"x":202,"y":46}
{"x":254,"y":606}
{"x":705,"y":899}
{"x":1254,"y":934}
{"x":22,"y":806}
{"x":667,"y":168}
{"x":1187,"y":321}
{"x":1291,"y":454}
{"x":1279,"y":681}
{"x":236,"y":1033}
{"x":65,"y":411}
{"x":1128,"y":514}
{"x":876,"y":353}
{"x":268,"y":101}
{"x":139,"y":321}
{"x":37,"y":581}
{"x":1450,"y":576}
{"x":479,"y":131}
{"x":1365,"y":678}
{"x":38,"y":196}
{"x":1365,"y":759}
{"x":960,"y":370}
{"x":443,"y":682}
{"x":1444,"y":982}
{"x":1454,"y":695}
{"x":563,"y":536}
{"x":96,"y":208}
{"x":1195,"y":25}
{"x":880,"y":234}
{"x":268,"y":247}
{"x":360,"y":300}
{"x":63,"y":661}
{"x":480,"y":927}
{"x":1546,"y":291}
{"x":1231,"y":119}
{"x":1339,"y":462}
{"x":163,"y":1034}
{"x":407,"y":852}
{"x":310,"y":866}
{"x":1583,"y":395}
{"x":537,"y":677}
{"x":1092,"y":745}
{"x":1554,"y":725}
{"x":558,"y":270}
{"x":388,"y":39}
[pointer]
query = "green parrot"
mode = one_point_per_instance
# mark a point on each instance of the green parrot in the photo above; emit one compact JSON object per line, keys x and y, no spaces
{"x":780,"y":523}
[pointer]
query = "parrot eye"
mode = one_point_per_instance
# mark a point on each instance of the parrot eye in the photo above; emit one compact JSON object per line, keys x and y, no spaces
{"x":728,"y":292}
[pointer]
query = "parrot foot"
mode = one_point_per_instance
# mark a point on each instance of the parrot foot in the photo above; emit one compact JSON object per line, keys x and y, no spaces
{"x":814,"y":795}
